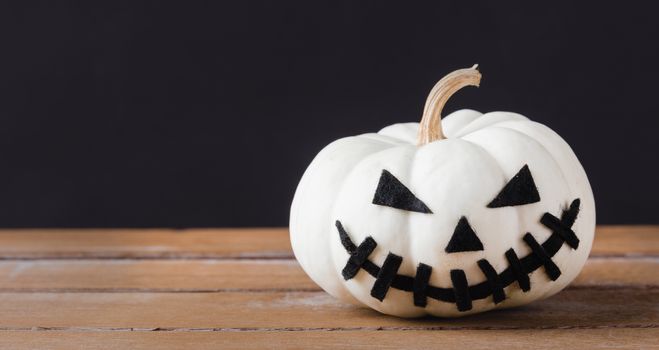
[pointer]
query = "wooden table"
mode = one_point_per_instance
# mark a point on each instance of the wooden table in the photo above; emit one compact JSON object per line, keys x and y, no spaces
{"x":209,"y":289}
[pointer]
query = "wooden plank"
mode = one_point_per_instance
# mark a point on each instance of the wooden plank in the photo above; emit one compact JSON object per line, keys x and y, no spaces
{"x":612,"y":272}
{"x":153,"y":275}
{"x":234,"y":243}
{"x":145,"y":243}
{"x":642,"y":240}
{"x":550,"y":339}
{"x":254,"y":275}
{"x":241,"y":311}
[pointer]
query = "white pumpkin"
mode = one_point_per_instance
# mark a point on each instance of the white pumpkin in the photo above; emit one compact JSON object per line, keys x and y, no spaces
{"x":446,"y":217}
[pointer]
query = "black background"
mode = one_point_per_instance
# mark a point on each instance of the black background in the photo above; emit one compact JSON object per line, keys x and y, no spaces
{"x":187,"y":113}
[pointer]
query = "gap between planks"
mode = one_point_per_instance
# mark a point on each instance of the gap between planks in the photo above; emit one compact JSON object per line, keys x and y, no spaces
{"x":319,"y":329}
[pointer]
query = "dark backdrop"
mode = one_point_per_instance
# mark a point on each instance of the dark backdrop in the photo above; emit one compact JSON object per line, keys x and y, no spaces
{"x":190,"y":113}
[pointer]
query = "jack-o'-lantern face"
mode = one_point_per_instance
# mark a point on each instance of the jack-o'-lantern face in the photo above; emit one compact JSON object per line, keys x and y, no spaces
{"x":459,"y":226}
{"x":519,"y":190}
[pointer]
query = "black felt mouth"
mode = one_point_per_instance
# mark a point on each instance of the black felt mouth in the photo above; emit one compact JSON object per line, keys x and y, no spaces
{"x":462,"y":293}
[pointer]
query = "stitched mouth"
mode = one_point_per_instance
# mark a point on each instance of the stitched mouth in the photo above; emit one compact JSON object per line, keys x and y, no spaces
{"x":462,"y":294}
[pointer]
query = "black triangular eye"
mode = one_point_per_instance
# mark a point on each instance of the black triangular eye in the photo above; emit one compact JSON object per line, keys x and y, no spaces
{"x":464,"y":239}
{"x":392,"y":193}
{"x":519,"y":190}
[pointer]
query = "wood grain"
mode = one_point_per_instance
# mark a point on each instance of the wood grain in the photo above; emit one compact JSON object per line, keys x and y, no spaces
{"x":234,"y":243}
{"x":572,"y":308}
{"x":609,"y":272}
{"x":145,"y":243}
{"x":153,"y":275}
{"x":254,"y":275}
{"x":626,"y":241}
{"x":550,"y":339}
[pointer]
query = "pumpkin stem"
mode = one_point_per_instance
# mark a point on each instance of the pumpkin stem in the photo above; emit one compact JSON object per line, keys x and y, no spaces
{"x":430,"y":128}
